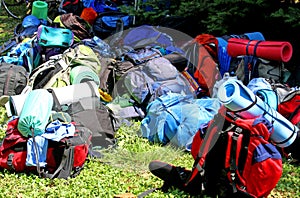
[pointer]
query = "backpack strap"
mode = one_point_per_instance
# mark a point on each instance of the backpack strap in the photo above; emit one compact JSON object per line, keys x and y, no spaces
{"x":210,"y":138}
{"x":233,"y":148}
{"x":65,"y":167}
{"x":56,"y":103}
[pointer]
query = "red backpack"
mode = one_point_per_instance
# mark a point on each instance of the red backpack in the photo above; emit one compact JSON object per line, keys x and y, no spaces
{"x":236,"y":159}
{"x":64,"y":158}
{"x":203,"y":56}
{"x":289,"y":107}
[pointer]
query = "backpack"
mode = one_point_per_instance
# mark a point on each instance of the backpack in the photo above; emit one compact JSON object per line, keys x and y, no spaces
{"x":251,"y":67}
{"x":108,"y":23}
{"x":98,"y":118}
{"x":145,"y":35}
{"x":235,"y":157}
{"x":289,"y":107}
{"x":152,"y":79}
{"x":174,"y":119}
{"x":64,"y":158}
{"x":26,"y":29}
{"x":57,"y":70}
{"x":90,"y":112}
{"x":202,"y":55}
{"x":52,"y":73}
{"x":13,"y":79}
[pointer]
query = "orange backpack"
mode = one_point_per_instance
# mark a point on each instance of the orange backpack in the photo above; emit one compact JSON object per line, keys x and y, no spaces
{"x":203,"y":56}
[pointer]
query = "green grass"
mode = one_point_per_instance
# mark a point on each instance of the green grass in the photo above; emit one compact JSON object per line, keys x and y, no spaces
{"x":124,"y":169}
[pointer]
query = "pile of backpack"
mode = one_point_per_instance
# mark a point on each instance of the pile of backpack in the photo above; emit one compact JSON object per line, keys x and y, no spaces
{"x":71,"y":84}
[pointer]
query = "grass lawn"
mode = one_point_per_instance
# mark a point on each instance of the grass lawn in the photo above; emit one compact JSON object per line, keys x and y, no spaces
{"x":121,"y":170}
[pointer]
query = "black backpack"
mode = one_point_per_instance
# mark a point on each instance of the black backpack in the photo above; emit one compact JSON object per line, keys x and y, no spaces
{"x":13,"y":79}
{"x":91,"y":113}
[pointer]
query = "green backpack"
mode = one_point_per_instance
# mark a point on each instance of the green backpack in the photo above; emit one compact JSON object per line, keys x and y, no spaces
{"x":56,"y":71}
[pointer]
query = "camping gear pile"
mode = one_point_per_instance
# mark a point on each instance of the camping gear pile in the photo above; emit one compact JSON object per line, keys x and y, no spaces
{"x":76,"y":80}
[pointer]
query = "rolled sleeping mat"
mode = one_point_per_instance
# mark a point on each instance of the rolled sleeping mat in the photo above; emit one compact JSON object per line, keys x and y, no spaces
{"x":238,"y":98}
{"x":35,"y":112}
{"x":270,"y":50}
{"x":73,"y":93}
{"x":80,"y":74}
{"x":268,"y":96}
{"x":15,"y":104}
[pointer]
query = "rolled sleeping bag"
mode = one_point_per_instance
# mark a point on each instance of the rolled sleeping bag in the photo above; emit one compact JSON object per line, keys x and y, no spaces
{"x":35,"y":112}
{"x":15,"y":102}
{"x":270,"y":50}
{"x":238,"y":98}
{"x":81,"y":74}
{"x":15,"y":105}
{"x":65,"y":95}
{"x":73,"y":93}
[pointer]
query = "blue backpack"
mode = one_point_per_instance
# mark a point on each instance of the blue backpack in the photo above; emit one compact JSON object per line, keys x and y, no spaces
{"x":110,"y":22}
{"x":175,"y":118}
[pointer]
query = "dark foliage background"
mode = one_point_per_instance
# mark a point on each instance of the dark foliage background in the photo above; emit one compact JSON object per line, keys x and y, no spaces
{"x":277,"y":20}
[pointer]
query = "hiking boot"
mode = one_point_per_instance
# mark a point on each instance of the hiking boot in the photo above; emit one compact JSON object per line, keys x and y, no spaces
{"x":174,"y":176}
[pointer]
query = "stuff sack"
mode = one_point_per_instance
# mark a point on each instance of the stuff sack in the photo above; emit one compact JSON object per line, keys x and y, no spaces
{"x":35,"y":113}
{"x":236,"y":158}
{"x":13,"y":79}
{"x":201,"y":54}
{"x":54,"y":37}
{"x":64,"y":158}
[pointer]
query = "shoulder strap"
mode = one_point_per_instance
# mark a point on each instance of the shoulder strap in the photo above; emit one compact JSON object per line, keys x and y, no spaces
{"x":65,"y":167}
{"x":233,"y":148}
{"x":210,"y":138}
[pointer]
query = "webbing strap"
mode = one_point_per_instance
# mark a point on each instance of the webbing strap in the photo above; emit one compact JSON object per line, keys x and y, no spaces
{"x":247,"y":51}
{"x":56,"y":104}
{"x":65,"y":167}
{"x":38,"y":168}
{"x":255,"y":48}
{"x":250,"y":106}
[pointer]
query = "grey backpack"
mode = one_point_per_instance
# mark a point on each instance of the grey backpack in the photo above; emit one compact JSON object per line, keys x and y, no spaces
{"x":13,"y":79}
{"x":151,"y":80}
